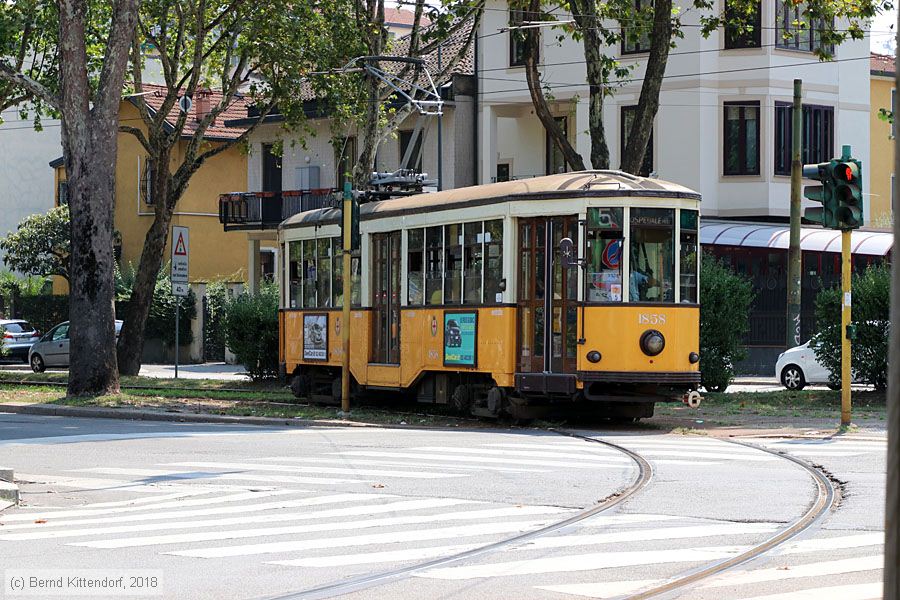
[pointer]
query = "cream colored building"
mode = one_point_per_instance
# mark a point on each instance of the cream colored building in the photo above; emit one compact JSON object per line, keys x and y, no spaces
{"x":881,"y":165}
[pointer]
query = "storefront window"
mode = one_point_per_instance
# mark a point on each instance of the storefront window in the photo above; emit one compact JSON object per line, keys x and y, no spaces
{"x":415,"y":265}
{"x":605,"y":245}
{"x":652,"y":255}
{"x":689,"y":256}
{"x":474,"y":258}
{"x":434,"y":263}
{"x":493,"y":265}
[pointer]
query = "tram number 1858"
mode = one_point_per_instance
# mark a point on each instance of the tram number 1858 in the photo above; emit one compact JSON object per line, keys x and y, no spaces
{"x":651,"y":319}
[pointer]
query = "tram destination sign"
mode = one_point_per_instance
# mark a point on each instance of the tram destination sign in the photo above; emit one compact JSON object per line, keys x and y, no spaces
{"x":460,"y":338}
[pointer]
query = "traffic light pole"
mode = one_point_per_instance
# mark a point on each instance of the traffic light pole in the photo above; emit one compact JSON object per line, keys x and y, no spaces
{"x":347,"y":248}
{"x":846,"y":300}
{"x":794,"y":256}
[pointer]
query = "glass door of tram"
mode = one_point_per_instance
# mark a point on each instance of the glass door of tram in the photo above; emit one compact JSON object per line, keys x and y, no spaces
{"x":546,"y":287}
{"x":386,"y":298}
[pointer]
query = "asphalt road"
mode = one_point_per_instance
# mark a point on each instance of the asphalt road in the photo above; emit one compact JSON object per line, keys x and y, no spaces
{"x":246,"y":512}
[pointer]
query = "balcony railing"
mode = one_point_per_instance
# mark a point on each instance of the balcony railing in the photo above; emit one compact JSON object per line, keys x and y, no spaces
{"x":265,"y":210}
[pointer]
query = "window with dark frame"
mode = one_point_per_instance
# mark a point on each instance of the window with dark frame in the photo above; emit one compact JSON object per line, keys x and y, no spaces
{"x":741,"y":138}
{"x":415,"y":159}
{"x":818,"y":135}
{"x":742,"y":30}
{"x":62,"y":194}
{"x":517,"y":16}
{"x":628,"y":114}
{"x":636,"y":40}
{"x":271,"y":169}
{"x":556,"y":162}
{"x":794,"y":31}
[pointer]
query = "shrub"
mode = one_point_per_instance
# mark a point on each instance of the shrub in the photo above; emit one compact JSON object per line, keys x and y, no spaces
{"x":251,"y":331}
{"x":870,"y":314}
{"x":43,"y":311}
{"x":161,"y":318}
{"x":214,"y":325}
{"x":725,"y":299}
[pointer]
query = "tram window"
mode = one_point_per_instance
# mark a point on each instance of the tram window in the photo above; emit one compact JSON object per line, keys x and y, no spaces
{"x":453,"y":263}
{"x":337,"y":273}
{"x":434,"y":263}
{"x":323,"y":272}
{"x":689,"y":256}
{"x":539,"y":244}
{"x":493,"y":261}
{"x":605,"y":244}
{"x":473,"y":239}
{"x":415,"y":265}
{"x":295,"y":272}
{"x":309,"y":273}
{"x":651,"y":259}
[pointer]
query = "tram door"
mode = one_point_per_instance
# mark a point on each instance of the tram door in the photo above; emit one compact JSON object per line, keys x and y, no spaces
{"x":386,"y":298}
{"x":546,"y":287}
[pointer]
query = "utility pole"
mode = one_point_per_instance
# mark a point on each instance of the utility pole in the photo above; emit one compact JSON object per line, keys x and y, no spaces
{"x":794,"y":253}
{"x":892,"y":508}
{"x":440,"y":135}
{"x":846,"y":301}
{"x":347,"y":249}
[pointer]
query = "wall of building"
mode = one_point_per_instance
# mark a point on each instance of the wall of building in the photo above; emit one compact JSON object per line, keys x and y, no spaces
{"x":881,"y":165}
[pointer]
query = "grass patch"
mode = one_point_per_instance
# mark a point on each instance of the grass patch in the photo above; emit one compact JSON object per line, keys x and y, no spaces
{"x":151,"y":382}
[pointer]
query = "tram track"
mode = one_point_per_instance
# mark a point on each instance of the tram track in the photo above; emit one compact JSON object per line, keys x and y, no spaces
{"x":641,"y":480}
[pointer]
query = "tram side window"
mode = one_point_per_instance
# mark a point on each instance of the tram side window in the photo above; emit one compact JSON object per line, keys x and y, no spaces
{"x":337,"y":273}
{"x":434,"y":263}
{"x":453,"y":239}
{"x":474,"y":261}
{"x":295,"y":273}
{"x":689,"y":256}
{"x":493,"y":261}
{"x":309,"y":273}
{"x":415,"y":264}
{"x":323,"y":272}
{"x":605,"y":245}
{"x":652,"y":255}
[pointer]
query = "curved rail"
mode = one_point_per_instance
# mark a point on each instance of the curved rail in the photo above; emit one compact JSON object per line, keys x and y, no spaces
{"x":824,"y":501}
{"x":645,"y":473}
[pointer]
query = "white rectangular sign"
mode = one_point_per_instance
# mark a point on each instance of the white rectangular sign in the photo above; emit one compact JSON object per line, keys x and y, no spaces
{"x":180,"y":289}
{"x":180,"y":252}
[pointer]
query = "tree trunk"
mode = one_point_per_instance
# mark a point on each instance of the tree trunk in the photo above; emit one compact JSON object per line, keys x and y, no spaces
{"x":131,"y":339}
{"x":89,"y":135}
{"x":585,"y":15}
{"x":362,"y":172}
{"x":648,"y":104}
{"x":541,"y":108}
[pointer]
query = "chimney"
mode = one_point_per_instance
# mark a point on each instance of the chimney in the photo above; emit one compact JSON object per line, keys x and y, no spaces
{"x":201,"y":105}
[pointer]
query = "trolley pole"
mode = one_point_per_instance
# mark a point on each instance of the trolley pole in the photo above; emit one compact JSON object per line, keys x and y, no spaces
{"x":794,"y":252}
{"x":846,"y":300}
{"x":346,"y":246}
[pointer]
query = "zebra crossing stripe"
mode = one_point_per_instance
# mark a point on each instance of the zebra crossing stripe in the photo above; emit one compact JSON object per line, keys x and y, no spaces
{"x":112,"y":437}
{"x":640,"y":535}
{"x":582,"y":562}
{"x":819,"y":569}
{"x":395,"y":537}
{"x":367,"y":558}
{"x":862,"y":591}
{"x":325,"y":470}
{"x":352,"y":511}
{"x":203,"y":512}
{"x":527,"y":453}
{"x":267,"y":532}
{"x":163,"y":474}
{"x":129,"y":486}
{"x":834,"y":543}
{"x":609,"y":589}
{"x":410,"y":464}
{"x":480,"y":459}
{"x":172,"y":504}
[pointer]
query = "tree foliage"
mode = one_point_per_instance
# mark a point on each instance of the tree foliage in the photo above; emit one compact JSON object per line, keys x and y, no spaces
{"x":40,"y":245}
{"x":725,"y":299}
{"x":870,"y":314}
{"x":161,"y":319}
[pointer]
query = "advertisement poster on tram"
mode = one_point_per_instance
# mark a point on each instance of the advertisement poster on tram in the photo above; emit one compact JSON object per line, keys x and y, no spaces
{"x":315,"y":337}
{"x":460,"y":337}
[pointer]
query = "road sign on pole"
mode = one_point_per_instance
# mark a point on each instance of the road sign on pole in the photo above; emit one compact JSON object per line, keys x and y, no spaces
{"x":180,"y":254}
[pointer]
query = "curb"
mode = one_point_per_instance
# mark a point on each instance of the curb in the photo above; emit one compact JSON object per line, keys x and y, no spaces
{"x":9,"y":491}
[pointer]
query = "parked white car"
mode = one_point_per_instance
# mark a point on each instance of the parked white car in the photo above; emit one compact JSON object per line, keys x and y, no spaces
{"x":797,"y":367}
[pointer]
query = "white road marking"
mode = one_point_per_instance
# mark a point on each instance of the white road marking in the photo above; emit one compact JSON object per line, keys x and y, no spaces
{"x":684,"y":454}
{"x":609,"y":589}
{"x":483,"y":459}
{"x":353,"y":511}
{"x":640,"y":535}
{"x":607,"y":520}
{"x":582,"y":562}
{"x":119,"y":485}
{"x":861,"y":591}
{"x":834,"y":543}
{"x":395,"y":537}
{"x":366,"y":558}
{"x":819,"y":453}
{"x":819,"y":569}
{"x":175,"y":503}
{"x":398,"y":463}
{"x":203,"y":512}
{"x":110,"y":437}
{"x":267,"y":532}
{"x":133,"y":501}
{"x":618,"y":457}
{"x":211,"y":475}
{"x":325,"y":470}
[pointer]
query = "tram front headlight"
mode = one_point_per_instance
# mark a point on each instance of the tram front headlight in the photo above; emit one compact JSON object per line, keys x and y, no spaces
{"x":652,"y":342}
{"x":693,"y":358}
{"x":593,"y":356}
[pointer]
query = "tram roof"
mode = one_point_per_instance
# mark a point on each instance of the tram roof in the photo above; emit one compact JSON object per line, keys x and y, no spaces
{"x":579,"y":184}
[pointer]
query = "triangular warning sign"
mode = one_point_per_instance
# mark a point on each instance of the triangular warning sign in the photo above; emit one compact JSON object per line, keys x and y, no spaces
{"x":179,"y":246}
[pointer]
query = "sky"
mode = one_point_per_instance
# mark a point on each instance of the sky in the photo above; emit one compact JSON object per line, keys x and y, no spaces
{"x":882,"y":34}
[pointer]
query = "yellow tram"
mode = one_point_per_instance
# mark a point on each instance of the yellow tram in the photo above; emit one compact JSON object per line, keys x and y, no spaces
{"x":503,"y":298}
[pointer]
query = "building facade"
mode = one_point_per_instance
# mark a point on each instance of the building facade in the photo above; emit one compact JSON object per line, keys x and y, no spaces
{"x":881,"y":167}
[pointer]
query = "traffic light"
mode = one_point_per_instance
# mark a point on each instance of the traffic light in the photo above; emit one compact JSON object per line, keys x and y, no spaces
{"x":824,"y":193}
{"x":848,"y":192}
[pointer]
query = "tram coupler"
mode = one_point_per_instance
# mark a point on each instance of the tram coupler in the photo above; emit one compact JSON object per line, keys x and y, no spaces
{"x":692,"y":399}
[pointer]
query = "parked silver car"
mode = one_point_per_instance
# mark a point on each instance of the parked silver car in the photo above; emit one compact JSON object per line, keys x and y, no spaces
{"x":53,"y":349}
{"x":18,"y":336}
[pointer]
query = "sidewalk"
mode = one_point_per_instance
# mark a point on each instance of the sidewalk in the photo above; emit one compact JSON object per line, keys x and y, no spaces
{"x":212,"y":370}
